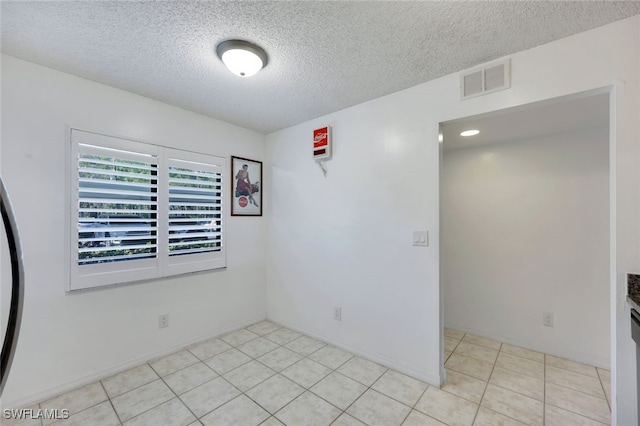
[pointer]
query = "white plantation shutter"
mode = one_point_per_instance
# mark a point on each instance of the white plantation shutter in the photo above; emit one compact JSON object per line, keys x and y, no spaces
{"x":195,"y":212}
{"x":140,"y":211}
{"x":117,"y":205}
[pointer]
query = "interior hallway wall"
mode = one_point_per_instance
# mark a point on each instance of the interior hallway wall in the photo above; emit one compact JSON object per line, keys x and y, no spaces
{"x":71,"y":339}
{"x":525,"y":230}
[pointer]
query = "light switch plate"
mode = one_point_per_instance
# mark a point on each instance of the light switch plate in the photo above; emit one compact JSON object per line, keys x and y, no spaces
{"x":420,"y":238}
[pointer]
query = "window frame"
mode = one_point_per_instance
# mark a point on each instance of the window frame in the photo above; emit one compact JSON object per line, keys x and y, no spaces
{"x":162,"y":265}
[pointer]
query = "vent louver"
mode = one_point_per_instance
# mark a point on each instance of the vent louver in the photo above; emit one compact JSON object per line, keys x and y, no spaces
{"x":487,"y":79}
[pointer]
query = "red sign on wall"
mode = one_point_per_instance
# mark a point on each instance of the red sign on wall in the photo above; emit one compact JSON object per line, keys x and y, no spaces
{"x":322,"y":143}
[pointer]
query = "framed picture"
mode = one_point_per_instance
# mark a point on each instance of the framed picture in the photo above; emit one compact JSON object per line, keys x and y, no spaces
{"x":246,"y":191}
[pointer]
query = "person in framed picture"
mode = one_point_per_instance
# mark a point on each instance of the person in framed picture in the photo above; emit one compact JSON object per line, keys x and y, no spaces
{"x":244,"y":186}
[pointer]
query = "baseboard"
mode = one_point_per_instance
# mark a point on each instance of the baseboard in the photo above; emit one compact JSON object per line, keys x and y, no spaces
{"x":583,"y":358}
{"x":117,"y":368}
{"x":430,"y":378}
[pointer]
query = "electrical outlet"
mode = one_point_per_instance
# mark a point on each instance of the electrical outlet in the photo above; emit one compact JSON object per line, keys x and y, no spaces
{"x":548,"y":319}
{"x":337,"y":313}
{"x":163,"y":321}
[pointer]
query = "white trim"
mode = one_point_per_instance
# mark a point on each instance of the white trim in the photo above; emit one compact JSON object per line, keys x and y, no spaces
{"x":617,"y":86}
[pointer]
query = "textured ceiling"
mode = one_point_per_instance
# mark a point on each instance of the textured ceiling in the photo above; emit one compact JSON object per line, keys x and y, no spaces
{"x":323,"y":56}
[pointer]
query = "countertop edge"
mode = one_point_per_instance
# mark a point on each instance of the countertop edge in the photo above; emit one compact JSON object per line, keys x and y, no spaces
{"x":633,"y":304}
{"x":633,"y":291}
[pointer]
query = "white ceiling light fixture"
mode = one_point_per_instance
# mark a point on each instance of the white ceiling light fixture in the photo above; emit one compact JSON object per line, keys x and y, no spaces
{"x":242,"y":57}
{"x":470,"y":133}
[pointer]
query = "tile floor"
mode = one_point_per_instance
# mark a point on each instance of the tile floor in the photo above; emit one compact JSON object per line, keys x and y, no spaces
{"x":269,"y":375}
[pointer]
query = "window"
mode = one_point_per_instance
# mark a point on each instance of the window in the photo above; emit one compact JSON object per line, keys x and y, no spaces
{"x":140,"y":211}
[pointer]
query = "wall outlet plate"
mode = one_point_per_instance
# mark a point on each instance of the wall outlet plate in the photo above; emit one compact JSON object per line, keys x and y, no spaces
{"x":337,"y":313}
{"x":548,"y":319}
{"x":163,"y":321}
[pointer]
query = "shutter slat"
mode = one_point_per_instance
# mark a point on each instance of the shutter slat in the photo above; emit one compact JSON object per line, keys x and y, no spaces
{"x":84,"y":159}
{"x":173,"y":220}
{"x":203,"y":243}
{"x":117,"y":229}
{"x":127,"y":201}
{"x":89,"y":192}
{"x":116,"y":248}
{"x":194,"y":251}
{"x":214,"y":182}
{"x":182,"y":213}
{"x":118,"y":211}
{"x":103,"y":183}
{"x":174,"y":228}
{"x":178,"y":173}
{"x":88,"y":261}
{"x":143,"y":177}
{"x":175,"y":197}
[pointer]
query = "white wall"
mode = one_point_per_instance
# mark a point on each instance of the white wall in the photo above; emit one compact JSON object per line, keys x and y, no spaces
{"x":66,"y":339}
{"x":346,"y":239}
{"x":525,"y":230}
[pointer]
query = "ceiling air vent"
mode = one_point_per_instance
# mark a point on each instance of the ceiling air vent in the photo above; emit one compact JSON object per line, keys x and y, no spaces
{"x":487,"y":79}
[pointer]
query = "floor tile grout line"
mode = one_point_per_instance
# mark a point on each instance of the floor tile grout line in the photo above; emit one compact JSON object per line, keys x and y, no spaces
{"x":500,"y":350}
{"x":391,"y":397}
{"x":544,"y":391}
{"x":603,"y":388}
{"x":113,"y":407}
{"x":412,"y":408}
{"x":597,"y":376}
{"x":178,"y":396}
{"x":361,"y":395}
{"x":513,"y":371}
{"x":573,"y":412}
{"x":291,"y":402}
{"x":488,"y":382}
{"x":211,"y":411}
{"x":81,"y":411}
{"x":335,"y":370}
{"x":265,"y":408}
{"x":502,"y":414}
{"x":155,"y":406}
{"x":482,"y":345}
{"x":486,"y":385}
{"x":276,"y":373}
{"x":516,"y":392}
{"x":579,"y":391}
{"x":197,"y":386}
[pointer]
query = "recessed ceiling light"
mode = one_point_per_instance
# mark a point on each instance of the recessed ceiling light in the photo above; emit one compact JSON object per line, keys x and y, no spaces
{"x":242,"y":57}
{"x":470,"y":132}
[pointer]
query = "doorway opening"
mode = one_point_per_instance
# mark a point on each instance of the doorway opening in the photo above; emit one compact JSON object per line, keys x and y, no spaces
{"x":525,"y":227}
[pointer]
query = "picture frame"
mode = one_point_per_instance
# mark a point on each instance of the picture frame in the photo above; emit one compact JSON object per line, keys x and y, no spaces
{"x":246,"y":187}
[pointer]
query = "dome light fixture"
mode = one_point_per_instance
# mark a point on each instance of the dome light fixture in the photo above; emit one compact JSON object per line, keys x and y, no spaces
{"x":242,"y":57}
{"x":470,"y":132}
